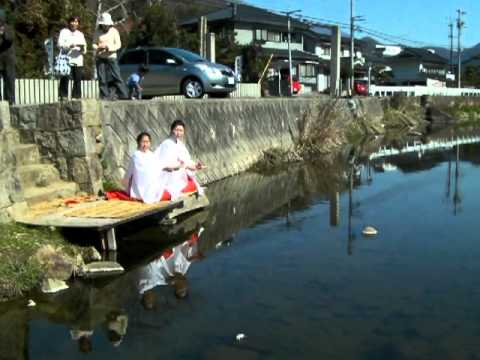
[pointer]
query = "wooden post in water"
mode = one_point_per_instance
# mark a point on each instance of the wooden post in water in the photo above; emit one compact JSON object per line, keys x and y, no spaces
{"x":335,"y":209}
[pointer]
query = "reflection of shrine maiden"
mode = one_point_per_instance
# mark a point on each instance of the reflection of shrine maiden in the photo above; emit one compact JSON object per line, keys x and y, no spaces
{"x":171,"y":262}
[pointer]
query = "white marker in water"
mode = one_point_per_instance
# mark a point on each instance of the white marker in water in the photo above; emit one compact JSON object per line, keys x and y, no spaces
{"x":240,"y":337}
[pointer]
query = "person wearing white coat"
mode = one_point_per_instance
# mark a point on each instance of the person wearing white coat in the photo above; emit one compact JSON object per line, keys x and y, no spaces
{"x":178,"y":168}
{"x":142,"y":180}
{"x":71,"y":42}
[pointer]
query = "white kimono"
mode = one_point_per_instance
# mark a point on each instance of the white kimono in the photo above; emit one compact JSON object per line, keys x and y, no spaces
{"x":170,"y":153}
{"x":160,"y":270}
{"x":143,"y":180}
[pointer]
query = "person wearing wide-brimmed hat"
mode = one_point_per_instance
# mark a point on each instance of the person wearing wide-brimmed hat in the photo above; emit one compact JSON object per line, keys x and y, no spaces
{"x":106,"y":42}
{"x":7,"y":59}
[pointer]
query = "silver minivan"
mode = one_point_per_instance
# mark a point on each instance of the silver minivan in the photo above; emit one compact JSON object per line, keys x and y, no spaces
{"x":175,"y":71}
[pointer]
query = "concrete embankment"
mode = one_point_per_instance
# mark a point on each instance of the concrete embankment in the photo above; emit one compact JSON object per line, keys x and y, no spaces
{"x":76,"y":146}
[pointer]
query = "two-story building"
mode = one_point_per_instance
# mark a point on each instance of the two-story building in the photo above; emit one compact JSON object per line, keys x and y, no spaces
{"x":310,"y":47}
{"x":417,"y":66}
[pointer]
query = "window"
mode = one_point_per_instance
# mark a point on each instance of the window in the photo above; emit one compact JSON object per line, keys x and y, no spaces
{"x":273,"y":36}
{"x":294,"y":37}
{"x":135,"y":57}
{"x":159,"y":57}
{"x":261,"y":34}
{"x":326,"y":51}
{"x":308,"y":70}
{"x":188,"y":55}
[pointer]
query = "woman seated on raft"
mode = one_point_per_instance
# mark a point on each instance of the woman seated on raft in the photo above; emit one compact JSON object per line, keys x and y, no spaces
{"x":177,"y":165}
{"x":144,"y":181}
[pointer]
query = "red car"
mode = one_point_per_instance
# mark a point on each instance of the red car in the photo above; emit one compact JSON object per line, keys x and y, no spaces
{"x":361,"y":88}
{"x":296,"y":86}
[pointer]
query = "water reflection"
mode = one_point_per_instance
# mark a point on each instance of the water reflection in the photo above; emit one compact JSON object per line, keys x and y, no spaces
{"x":457,"y":198}
{"x":169,"y":268}
{"x":271,"y":258}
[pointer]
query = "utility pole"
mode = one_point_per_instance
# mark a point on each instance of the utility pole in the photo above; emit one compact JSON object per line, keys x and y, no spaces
{"x":353,"y":18}
{"x":352,"y":47}
{"x":202,"y":30}
{"x":450,"y":37}
{"x":460,"y":25}
{"x":289,"y":13}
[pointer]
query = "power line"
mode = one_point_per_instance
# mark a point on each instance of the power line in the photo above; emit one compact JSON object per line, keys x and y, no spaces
{"x":378,"y":34}
{"x":320,"y":21}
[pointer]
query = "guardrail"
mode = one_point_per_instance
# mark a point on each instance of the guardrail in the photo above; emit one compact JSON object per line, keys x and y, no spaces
{"x":42,"y":91}
{"x":383,"y":91}
{"x":243,"y":90}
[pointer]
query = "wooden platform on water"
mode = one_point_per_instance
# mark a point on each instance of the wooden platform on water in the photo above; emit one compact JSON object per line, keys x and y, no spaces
{"x":105,"y":215}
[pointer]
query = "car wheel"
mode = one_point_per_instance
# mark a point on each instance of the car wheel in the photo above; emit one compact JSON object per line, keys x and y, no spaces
{"x":193,"y":88}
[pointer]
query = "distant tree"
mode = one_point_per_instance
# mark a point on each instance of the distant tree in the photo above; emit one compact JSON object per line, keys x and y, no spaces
{"x":254,"y":62}
{"x":37,"y":20}
{"x":227,"y":49}
{"x":471,"y":76}
{"x":159,"y":28}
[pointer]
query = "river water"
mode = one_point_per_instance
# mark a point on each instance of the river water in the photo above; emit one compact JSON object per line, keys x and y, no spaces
{"x":280,"y":263}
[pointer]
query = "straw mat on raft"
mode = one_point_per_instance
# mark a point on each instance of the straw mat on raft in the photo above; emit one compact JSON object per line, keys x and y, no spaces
{"x":114,"y":209}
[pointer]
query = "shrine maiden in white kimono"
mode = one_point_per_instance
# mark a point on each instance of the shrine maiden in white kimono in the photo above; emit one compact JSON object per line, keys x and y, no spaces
{"x":159,"y":271}
{"x":172,"y":153}
{"x":143,"y":180}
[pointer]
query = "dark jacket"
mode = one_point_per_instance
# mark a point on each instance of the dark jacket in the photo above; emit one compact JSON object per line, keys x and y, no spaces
{"x":7,"y":48}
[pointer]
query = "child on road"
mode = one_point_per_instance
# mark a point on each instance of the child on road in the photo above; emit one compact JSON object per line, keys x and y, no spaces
{"x":133,"y":83}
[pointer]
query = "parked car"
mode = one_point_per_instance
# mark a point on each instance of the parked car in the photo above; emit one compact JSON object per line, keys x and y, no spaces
{"x":175,"y":71}
{"x":361,"y":87}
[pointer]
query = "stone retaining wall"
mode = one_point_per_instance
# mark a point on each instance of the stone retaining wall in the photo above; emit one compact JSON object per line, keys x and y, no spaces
{"x":228,"y":136}
{"x":66,"y":135}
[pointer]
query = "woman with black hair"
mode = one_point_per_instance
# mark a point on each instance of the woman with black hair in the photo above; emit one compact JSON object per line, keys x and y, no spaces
{"x":143,"y":181}
{"x":178,"y":168}
{"x":71,"y":42}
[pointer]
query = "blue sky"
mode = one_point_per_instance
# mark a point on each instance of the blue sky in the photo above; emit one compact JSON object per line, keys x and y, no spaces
{"x":420,"y":20}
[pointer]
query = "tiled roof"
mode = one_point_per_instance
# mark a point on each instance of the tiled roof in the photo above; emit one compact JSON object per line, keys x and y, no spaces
{"x":423,"y":54}
{"x":248,"y":14}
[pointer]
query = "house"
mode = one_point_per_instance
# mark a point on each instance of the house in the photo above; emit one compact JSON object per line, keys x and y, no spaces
{"x":310,"y":47}
{"x":417,"y":66}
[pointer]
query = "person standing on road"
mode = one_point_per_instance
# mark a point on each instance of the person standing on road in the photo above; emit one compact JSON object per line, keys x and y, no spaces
{"x":72,"y":42}
{"x":133,"y":83}
{"x":7,"y":59}
{"x":106,"y":42}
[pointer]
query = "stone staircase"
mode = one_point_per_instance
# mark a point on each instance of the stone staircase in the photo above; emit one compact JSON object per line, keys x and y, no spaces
{"x":39,"y":181}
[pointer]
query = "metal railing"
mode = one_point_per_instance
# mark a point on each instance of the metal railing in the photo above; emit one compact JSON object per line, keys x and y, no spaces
{"x":383,"y":91}
{"x":43,"y":91}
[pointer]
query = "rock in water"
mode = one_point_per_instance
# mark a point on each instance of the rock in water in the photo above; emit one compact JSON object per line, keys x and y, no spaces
{"x":55,"y":262}
{"x":369,"y":231}
{"x":101,"y":268}
{"x":50,"y":286}
{"x":90,"y":254}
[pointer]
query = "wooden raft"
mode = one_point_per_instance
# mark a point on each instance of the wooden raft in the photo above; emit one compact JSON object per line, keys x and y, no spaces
{"x":100,"y":215}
